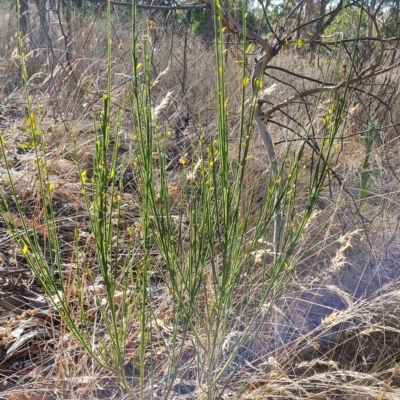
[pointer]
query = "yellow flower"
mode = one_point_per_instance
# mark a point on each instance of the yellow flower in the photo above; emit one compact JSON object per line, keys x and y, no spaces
{"x":258,"y":83}
{"x":25,"y":250}
{"x":300,"y":43}
{"x":83,"y":176}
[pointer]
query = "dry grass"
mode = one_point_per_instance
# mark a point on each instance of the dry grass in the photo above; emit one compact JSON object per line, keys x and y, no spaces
{"x":333,"y":333}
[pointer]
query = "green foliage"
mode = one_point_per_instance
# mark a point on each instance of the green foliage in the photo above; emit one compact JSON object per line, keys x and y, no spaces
{"x":82,"y":6}
{"x":200,"y":21}
{"x":391,"y":15}
{"x":347,"y":22}
{"x":254,"y":20}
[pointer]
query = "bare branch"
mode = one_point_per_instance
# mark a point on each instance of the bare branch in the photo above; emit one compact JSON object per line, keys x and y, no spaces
{"x":360,"y":39}
{"x":379,"y":60}
{"x":339,"y":86}
{"x":334,"y":12}
{"x":332,"y":15}
{"x":154,"y":7}
{"x":307,"y":78}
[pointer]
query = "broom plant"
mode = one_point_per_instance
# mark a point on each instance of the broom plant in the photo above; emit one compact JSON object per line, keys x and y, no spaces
{"x":205,"y":234}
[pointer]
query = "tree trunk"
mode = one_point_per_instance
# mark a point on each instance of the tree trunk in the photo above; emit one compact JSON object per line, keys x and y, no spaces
{"x":24,"y":16}
{"x":44,"y":15}
{"x":319,"y":28}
